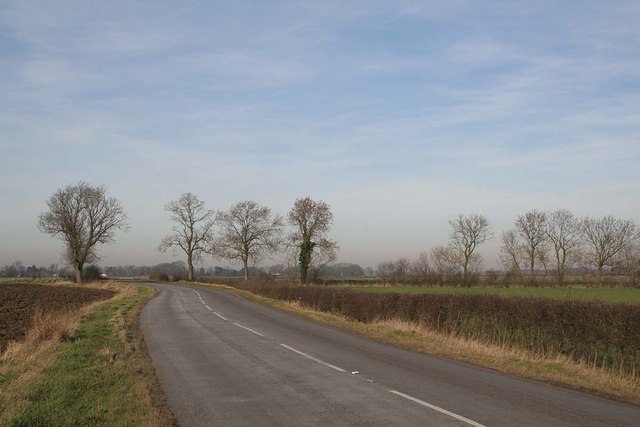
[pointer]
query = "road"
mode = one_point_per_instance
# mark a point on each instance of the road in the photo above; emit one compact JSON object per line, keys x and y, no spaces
{"x":226,"y":361}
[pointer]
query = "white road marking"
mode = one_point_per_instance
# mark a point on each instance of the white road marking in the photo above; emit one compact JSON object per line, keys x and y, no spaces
{"x":248,"y":329}
{"x":220,"y":315}
{"x":313,"y":358}
{"x":437,"y":408}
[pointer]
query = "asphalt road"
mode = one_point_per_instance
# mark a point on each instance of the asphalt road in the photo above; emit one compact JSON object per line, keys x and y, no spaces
{"x":226,"y":361}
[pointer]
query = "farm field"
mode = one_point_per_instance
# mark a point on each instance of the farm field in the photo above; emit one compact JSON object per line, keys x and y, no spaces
{"x":611,"y":295}
{"x":19,"y":302}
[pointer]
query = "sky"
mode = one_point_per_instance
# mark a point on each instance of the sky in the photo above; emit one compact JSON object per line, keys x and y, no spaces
{"x":398,"y":114}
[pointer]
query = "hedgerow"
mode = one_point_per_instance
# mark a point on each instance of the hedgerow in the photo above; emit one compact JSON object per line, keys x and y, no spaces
{"x":602,"y":334}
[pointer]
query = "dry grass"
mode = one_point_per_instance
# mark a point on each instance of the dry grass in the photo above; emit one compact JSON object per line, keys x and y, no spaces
{"x":27,"y":364}
{"x":138,"y":360}
{"x":24,"y":362}
{"x":559,"y":370}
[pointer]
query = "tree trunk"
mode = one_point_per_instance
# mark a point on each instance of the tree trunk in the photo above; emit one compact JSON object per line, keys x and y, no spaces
{"x":78,"y":270}
{"x":600,"y":273}
{"x":531,"y":277}
{"x":246,"y":268}
{"x":306,"y":249}
{"x":190,"y":271}
{"x":464,"y":274}
{"x":560,"y":268}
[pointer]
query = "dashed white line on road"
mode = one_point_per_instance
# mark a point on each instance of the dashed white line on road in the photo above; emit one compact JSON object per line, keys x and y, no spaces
{"x":308,"y":356}
{"x":220,"y":315}
{"x":248,"y":329}
{"x":437,"y":408}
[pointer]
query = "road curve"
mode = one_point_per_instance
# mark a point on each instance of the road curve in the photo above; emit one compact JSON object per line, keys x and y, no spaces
{"x":226,"y":361}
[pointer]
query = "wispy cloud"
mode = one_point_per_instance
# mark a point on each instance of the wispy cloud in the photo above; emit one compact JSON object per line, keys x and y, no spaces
{"x":399,"y":114}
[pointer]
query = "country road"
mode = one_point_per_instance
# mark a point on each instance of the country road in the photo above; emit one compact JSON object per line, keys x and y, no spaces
{"x":226,"y":361}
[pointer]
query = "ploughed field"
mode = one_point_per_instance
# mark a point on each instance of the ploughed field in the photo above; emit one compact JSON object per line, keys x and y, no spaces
{"x":18,"y":304}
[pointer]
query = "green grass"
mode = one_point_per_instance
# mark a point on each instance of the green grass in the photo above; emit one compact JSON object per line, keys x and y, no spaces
{"x":86,"y":386}
{"x":612,"y":295}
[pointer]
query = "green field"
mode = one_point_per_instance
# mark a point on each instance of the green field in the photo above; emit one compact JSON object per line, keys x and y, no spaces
{"x":612,"y":295}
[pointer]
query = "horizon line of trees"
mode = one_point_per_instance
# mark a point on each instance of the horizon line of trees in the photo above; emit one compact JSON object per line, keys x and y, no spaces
{"x":540,"y":241}
{"x":83,"y":217}
{"x":248,"y":233}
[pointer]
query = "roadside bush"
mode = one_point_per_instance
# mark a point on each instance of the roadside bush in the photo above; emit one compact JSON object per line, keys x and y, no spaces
{"x":91,"y":273}
{"x":158,"y":277}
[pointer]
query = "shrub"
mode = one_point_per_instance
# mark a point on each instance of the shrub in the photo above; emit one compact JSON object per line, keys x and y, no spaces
{"x":91,"y":273}
{"x":158,"y":277}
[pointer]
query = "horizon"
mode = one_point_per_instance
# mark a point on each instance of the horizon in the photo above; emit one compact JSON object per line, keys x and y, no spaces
{"x":399,"y":115}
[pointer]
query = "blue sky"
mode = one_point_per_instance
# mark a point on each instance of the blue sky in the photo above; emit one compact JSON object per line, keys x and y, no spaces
{"x":399,"y":114}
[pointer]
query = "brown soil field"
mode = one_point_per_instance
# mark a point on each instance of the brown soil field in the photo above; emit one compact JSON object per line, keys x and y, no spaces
{"x":18,"y":304}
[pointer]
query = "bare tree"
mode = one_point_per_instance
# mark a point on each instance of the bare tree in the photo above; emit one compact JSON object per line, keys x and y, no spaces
{"x":467,"y":232}
{"x":606,"y":237}
{"x":442,"y":259}
{"x":192,"y":231}
{"x":627,"y":261}
{"x":395,"y":271}
{"x":402,"y":269}
{"x":531,"y":228}
{"x":565,"y":235}
{"x":249,"y":233}
{"x":312,"y":221}
{"x":82,"y":216}
{"x":421,"y":268}
{"x":511,"y":251}
{"x":386,"y":271}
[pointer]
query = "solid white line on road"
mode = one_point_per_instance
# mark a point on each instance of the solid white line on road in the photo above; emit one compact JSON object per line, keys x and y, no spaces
{"x":220,"y":316}
{"x":208,"y":308}
{"x":248,"y":329}
{"x":313,"y":358}
{"x":437,"y":408}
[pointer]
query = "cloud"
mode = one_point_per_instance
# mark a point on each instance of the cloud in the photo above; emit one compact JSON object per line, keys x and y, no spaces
{"x":49,"y":72}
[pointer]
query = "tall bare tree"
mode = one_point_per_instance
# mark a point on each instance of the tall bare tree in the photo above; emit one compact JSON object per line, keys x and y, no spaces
{"x":312,"y":221}
{"x":565,"y":235}
{"x":83,"y":216}
{"x":531,"y":228}
{"x":606,"y":237}
{"x":192,"y":229}
{"x":249,"y":232}
{"x":511,"y":251}
{"x":467,"y":232}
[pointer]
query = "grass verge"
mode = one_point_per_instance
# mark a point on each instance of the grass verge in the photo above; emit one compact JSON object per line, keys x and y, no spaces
{"x":557,"y":370}
{"x":85,"y":368}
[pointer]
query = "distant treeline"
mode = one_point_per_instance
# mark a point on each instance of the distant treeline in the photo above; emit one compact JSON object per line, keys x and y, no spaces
{"x":178,"y":270}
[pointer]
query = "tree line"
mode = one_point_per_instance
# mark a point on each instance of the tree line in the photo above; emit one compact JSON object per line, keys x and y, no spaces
{"x":539,"y":241}
{"x":83,"y":216}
